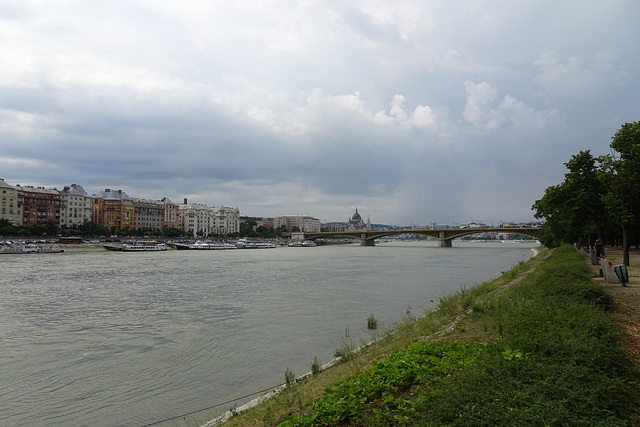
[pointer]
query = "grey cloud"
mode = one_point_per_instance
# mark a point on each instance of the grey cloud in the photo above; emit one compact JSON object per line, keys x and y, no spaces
{"x":318,"y":107}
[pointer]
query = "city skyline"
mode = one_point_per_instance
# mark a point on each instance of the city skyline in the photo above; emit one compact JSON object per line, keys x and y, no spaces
{"x":414,"y":111}
{"x":79,"y":190}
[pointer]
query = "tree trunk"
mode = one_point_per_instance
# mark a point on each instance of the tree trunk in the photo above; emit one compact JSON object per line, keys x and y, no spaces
{"x":625,"y":245}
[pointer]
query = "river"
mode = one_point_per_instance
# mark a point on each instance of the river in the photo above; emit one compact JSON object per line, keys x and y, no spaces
{"x":129,"y":339}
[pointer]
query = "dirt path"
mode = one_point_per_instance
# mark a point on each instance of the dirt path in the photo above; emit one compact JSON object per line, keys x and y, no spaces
{"x":627,"y":298}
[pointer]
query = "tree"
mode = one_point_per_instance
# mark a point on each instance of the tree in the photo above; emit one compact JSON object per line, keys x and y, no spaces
{"x":247,"y":228}
{"x":574,"y":210}
{"x":624,"y":197}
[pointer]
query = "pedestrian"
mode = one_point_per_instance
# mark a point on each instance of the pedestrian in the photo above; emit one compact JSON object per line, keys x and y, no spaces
{"x":598,"y":246}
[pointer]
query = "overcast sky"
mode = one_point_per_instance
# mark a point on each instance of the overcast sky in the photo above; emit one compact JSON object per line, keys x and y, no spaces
{"x":413,"y":111}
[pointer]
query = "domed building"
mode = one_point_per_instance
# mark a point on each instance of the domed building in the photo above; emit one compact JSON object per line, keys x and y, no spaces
{"x":356,"y":224}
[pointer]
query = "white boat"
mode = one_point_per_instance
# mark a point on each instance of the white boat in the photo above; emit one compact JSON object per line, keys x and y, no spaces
{"x":200,"y":245}
{"x":204,"y":245}
{"x":29,"y":248}
{"x":302,"y":244}
{"x":143,"y":247}
{"x":265,"y":245}
{"x":221,"y":246}
{"x":249,"y":244}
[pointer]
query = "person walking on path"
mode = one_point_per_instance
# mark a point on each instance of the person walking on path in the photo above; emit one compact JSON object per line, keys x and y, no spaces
{"x":598,"y":247}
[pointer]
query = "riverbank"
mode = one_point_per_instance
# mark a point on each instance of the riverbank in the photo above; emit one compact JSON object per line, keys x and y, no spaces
{"x":526,"y":371}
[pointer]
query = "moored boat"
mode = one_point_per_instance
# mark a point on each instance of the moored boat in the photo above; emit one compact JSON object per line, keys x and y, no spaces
{"x":250,"y":244}
{"x":143,"y":247}
{"x":302,"y":244}
{"x":200,"y":246}
{"x":265,"y":245}
{"x":29,"y":248}
{"x":181,"y":246}
{"x":203,"y":245}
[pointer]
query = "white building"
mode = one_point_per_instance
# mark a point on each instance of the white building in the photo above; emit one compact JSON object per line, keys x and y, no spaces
{"x":225,"y":220}
{"x":300,"y":222}
{"x":202,"y":220}
{"x":76,"y":206}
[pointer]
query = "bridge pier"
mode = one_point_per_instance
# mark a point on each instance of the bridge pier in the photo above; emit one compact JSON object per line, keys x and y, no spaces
{"x":445,"y":243}
{"x":367,"y":242}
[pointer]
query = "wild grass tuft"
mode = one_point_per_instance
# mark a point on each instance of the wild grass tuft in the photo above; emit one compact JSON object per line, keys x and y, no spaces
{"x":372,"y":323}
{"x":316,"y":366}
{"x":289,"y":377}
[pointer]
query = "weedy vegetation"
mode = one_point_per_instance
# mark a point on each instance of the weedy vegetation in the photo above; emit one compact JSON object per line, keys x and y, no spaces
{"x":537,"y":346}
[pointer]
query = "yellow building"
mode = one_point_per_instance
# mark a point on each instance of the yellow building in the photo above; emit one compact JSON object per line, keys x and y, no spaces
{"x":114,"y":209}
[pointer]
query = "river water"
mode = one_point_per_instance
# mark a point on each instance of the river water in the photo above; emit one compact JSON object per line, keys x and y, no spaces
{"x":131,"y":339}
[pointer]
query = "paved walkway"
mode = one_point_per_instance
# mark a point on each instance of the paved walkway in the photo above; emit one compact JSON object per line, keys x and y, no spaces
{"x":627,"y":298}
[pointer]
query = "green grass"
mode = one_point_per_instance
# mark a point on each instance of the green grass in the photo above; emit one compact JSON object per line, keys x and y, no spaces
{"x":555,"y":360}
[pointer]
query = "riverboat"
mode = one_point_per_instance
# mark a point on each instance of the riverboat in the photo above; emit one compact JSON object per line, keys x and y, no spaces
{"x":265,"y":245}
{"x":29,"y":248}
{"x":249,"y":244}
{"x":112,"y":247}
{"x":143,"y":247}
{"x":302,"y":244}
{"x":203,"y":245}
{"x":200,"y":246}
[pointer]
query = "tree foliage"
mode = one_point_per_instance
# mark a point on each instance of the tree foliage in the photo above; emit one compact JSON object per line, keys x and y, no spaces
{"x":599,"y":197}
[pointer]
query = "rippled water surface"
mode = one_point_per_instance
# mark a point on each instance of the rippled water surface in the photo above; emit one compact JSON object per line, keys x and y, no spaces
{"x":129,"y":339}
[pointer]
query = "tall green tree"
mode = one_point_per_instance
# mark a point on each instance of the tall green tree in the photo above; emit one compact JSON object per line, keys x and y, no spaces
{"x":624,"y":196}
{"x":574,"y":210}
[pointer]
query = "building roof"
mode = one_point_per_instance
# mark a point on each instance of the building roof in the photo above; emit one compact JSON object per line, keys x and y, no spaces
{"x":107,"y":194}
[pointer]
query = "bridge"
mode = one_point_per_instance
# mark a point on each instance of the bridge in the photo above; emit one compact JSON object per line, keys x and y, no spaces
{"x":444,"y":235}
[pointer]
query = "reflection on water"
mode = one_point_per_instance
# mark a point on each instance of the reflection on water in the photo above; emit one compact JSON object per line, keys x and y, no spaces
{"x":112,"y":338}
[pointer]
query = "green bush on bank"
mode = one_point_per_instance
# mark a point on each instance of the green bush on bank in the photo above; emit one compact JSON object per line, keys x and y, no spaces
{"x":558,"y":362}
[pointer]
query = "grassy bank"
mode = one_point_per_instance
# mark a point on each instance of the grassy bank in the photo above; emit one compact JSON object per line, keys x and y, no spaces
{"x":536,"y":346}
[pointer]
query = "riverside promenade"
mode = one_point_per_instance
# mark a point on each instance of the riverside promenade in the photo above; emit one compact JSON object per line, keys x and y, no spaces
{"x":627,"y":298}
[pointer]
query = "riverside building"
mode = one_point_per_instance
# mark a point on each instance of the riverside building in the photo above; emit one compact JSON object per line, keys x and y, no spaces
{"x":10,"y":203}
{"x":114,"y":209}
{"x":76,"y":206}
{"x":200,"y":220}
{"x":40,"y":205}
{"x":300,"y":222}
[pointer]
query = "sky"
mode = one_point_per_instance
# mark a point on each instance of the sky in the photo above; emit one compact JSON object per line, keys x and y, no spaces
{"x":413,"y":112}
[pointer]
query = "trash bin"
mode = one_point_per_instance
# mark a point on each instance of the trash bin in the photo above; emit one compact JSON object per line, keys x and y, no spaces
{"x":622,"y":273}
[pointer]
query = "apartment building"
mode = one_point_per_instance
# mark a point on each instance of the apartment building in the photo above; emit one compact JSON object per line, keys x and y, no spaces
{"x":170,"y":214}
{"x":225,"y":220}
{"x":194,"y":218}
{"x":76,"y":206}
{"x":201,"y":220}
{"x":114,"y":209}
{"x":300,"y":222}
{"x":10,"y":203}
{"x":149,"y":214}
{"x":40,"y":205}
